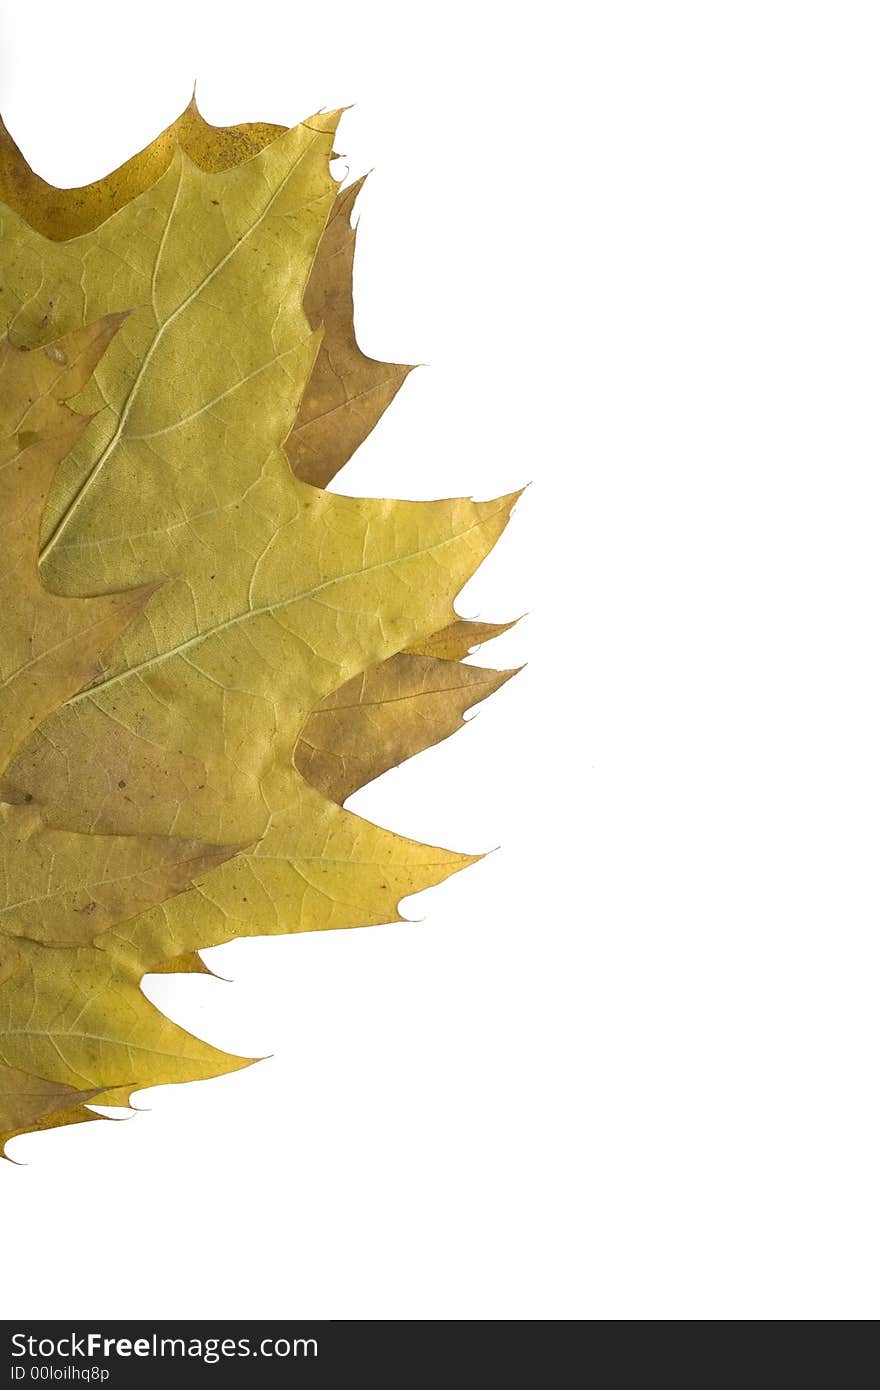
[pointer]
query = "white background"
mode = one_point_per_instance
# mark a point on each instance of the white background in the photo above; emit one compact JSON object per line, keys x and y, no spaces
{"x":627,"y":1066}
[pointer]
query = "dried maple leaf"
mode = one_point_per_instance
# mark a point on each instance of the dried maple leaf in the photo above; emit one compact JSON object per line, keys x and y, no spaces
{"x":276,"y":594}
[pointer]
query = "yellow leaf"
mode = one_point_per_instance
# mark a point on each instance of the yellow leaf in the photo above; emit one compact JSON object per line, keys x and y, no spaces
{"x":270,"y":595}
{"x":63,"y":213}
{"x":202,"y":369}
{"x":373,"y":722}
{"x":78,"y":1017}
{"x":63,"y":888}
{"x":347,"y":392}
{"x":60,"y":890}
{"x":384,"y":716}
{"x":189,"y":963}
{"x":25,"y":1100}
{"x":317,"y":868}
{"x":205,"y":723}
{"x":458,"y":639}
{"x":50,"y":645}
{"x":53,"y":1118}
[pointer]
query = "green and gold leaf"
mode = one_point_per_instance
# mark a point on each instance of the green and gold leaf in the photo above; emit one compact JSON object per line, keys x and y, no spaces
{"x":280,"y":644}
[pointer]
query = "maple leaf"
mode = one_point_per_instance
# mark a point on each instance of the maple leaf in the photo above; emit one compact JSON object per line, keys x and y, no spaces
{"x":276,"y":595}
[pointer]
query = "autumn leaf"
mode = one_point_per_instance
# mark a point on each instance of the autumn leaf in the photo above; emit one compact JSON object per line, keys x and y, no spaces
{"x":376,"y":721}
{"x":457,"y":639}
{"x":356,"y":733}
{"x":257,"y":554}
{"x":271,"y":601}
{"x":58,"y":889}
{"x":346,"y":392}
{"x":62,"y":889}
{"x":63,"y":213}
{"x":28,"y":1103}
{"x":50,"y":646}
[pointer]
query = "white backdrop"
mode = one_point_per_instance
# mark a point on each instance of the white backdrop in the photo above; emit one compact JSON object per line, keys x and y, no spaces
{"x":626,"y":1066}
